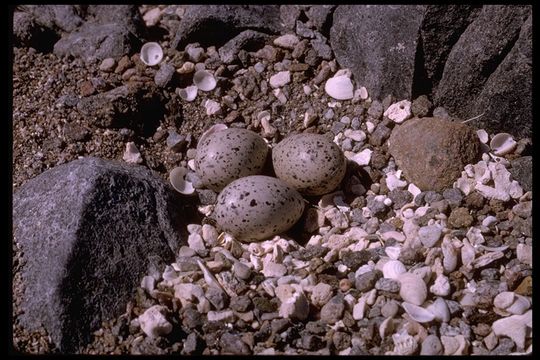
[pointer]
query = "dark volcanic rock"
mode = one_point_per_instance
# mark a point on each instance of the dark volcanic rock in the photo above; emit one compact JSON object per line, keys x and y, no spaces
{"x":441,"y":28}
{"x":480,"y":75}
{"x":432,"y":152}
{"x":60,"y":18}
{"x":98,"y":41}
{"x":248,"y":40}
{"x":521,"y":171}
{"x":27,"y":32}
{"x":89,"y":230}
{"x":215,"y":24}
{"x":320,"y":17}
{"x":506,"y":98}
{"x":378,"y":43}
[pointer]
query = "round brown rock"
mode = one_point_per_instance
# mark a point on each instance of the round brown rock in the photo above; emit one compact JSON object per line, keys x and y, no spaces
{"x":432,"y":152}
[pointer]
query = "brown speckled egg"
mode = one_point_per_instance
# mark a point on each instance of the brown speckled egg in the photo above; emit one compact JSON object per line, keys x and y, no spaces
{"x":311,"y":163}
{"x":227,"y":155}
{"x":257,"y":207}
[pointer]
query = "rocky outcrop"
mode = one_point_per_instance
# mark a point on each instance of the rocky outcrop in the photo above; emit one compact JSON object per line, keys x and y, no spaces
{"x":89,"y":231}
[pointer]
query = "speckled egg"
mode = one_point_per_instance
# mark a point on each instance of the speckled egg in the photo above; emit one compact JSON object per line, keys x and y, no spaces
{"x":226,"y":155}
{"x":257,"y":207}
{"x":311,"y":163}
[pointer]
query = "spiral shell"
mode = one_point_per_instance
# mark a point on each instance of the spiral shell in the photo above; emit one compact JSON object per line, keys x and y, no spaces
{"x":413,"y":288}
{"x":393,"y":268}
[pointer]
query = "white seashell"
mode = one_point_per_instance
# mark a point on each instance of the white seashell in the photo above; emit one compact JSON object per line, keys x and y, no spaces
{"x":467,"y":252}
{"x":519,"y":306}
{"x":204,"y":81}
{"x":154,"y":323}
{"x":151,"y":53}
{"x":504,"y":299}
{"x":515,"y":327}
{"x":339,"y":87}
{"x":188,"y":94}
{"x":212,"y":107}
{"x":386,"y":327}
{"x":465,"y":185}
{"x":132,"y":155}
{"x":486,"y":259}
{"x":482,"y":135}
{"x":524,"y":254}
{"x":455,"y":345}
{"x":393,"y":268}
{"x":418,"y":313}
{"x":363,"y":93}
{"x":399,"y":111}
{"x":502,"y":144}
{"x":413,"y":288}
{"x":399,"y":237}
{"x":209,"y":277}
{"x":423,"y":272}
{"x":359,"y":309}
{"x":414,"y":190}
{"x":177,"y":177}
{"x":441,"y":286}
{"x":440,"y":310}
{"x":404,"y":344}
{"x":269,"y":285}
{"x":362,"y":158}
{"x":450,"y":257}
{"x":393,"y":182}
{"x":393,"y":252}
{"x":280,"y":79}
{"x":148,"y":283}
{"x":356,"y":135}
{"x":370,"y":127}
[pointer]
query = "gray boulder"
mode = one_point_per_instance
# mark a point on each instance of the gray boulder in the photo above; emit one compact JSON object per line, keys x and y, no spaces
{"x":477,"y":78}
{"x":89,"y":230}
{"x":216,"y":24}
{"x":432,"y":152}
{"x":378,"y":43}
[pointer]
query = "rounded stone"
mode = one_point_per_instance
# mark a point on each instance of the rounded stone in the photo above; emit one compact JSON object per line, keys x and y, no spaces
{"x":432,"y":152}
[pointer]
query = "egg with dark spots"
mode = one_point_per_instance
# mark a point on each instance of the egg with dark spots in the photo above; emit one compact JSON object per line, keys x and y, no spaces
{"x":257,"y":207}
{"x":311,"y":163}
{"x":227,"y":155}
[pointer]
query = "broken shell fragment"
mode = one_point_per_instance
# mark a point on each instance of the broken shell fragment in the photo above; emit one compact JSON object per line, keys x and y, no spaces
{"x":502,"y":144}
{"x":204,"y":80}
{"x":177,"y":177}
{"x":151,"y":53}
{"x":339,"y":87}
{"x":482,"y":136}
{"x":188,"y":94}
{"x":399,"y":111}
{"x":418,"y":313}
